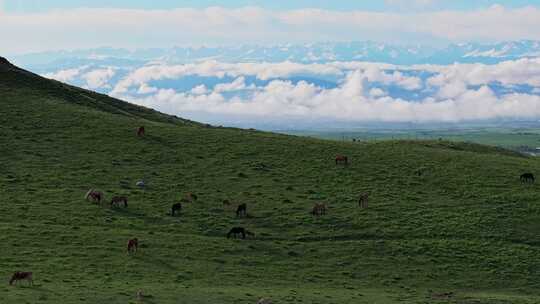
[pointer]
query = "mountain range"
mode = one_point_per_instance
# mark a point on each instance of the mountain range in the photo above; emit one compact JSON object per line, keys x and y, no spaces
{"x":303,"y":53}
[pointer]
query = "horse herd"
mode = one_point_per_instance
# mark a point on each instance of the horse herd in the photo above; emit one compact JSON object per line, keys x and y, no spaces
{"x":318,"y":209}
{"x":97,"y":196}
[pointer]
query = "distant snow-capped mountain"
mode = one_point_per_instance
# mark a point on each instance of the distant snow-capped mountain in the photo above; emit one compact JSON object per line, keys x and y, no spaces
{"x":304,"y":53}
{"x":486,"y":53}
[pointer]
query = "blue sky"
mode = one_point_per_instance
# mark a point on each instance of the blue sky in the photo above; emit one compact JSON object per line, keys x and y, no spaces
{"x":21,"y":6}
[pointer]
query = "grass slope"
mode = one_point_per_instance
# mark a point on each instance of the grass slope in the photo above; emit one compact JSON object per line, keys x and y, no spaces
{"x":466,"y":226}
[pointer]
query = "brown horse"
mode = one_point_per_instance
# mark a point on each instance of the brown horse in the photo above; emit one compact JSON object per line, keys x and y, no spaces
{"x":140,"y":131}
{"x":341,"y":159}
{"x":21,"y":275}
{"x":94,"y":195}
{"x":319,"y":209}
{"x":118,"y":200}
{"x":241,"y":210}
{"x":363,"y":200}
{"x":132,"y":245}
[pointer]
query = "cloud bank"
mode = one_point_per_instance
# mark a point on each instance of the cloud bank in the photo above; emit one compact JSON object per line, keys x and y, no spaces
{"x":131,"y":28}
{"x":356,"y":92}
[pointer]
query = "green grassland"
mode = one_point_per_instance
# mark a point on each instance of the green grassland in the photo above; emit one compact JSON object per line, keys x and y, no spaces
{"x":466,"y":226}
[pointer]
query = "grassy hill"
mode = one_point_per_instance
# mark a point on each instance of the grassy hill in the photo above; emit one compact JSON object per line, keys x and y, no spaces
{"x":466,"y":226}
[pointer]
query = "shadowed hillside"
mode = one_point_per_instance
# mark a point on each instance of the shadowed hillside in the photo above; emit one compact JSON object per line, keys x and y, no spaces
{"x":446,"y":222}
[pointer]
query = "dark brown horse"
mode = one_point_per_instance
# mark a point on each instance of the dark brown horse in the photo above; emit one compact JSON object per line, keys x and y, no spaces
{"x":527,"y":178}
{"x":318,"y":209}
{"x":132,"y":245}
{"x":94,"y":195}
{"x":140,"y":131}
{"x":119,"y":200}
{"x":363,"y":200}
{"x":341,"y":159}
{"x":241,"y":210}
{"x":21,"y":275}
{"x":235,"y":231}
{"x":176,"y":208}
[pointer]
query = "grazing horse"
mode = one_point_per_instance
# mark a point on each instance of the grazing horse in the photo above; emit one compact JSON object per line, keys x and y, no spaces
{"x":527,"y":178}
{"x":264,"y":301}
{"x":176,"y":207}
{"x":241,"y":210}
{"x":119,"y":199}
{"x":318,"y":209}
{"x":21,"y":275}
{"x":94,"y":195}
{"x":341,"y":159}
{"x":132,"y":245}
{"x":235,"y":231}
{"x":363,"y":200}
{"x":140,"y":131}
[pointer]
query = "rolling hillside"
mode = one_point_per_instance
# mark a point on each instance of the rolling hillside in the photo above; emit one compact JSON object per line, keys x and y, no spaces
{"x":465,"y":231}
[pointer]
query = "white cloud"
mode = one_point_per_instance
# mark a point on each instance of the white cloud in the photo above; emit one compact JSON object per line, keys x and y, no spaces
{"x":523,"y":71}
{"x":410,"y":3}
{"x":67,"y":75}
{"x":263,"y":71}
{"x":375,"y":74}
{"x":376,"y":92}
{"x":199,"y":90}
{"x":454,"y":100}
{"x":363,"y":91}
{"x":452,"y":89}
{"x":146,"y":89}
{"x":236,"y":85}
{"x":98,"y":78}
{"x":87,"y":28}
{"x":346,"y":103}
